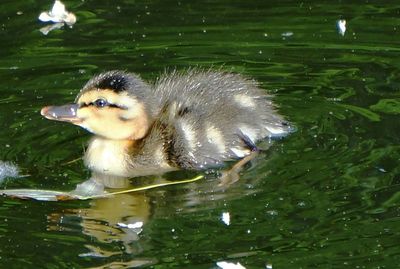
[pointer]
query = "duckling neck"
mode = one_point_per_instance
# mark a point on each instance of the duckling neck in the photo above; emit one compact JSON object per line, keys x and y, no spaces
{"x":108,"y":156}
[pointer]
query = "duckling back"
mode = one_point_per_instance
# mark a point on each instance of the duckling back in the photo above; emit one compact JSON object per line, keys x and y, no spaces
{"x":211,"y":117}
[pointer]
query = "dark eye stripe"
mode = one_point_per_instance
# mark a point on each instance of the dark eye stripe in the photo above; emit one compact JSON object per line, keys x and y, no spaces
{"x":117,"y":106}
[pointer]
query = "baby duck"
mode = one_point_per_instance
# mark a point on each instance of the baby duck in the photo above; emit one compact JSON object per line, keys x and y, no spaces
{"x":193,"y":120}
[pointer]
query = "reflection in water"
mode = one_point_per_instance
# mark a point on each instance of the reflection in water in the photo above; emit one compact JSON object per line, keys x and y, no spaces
{"x":101,"y":221}
{"x":108,"y":220}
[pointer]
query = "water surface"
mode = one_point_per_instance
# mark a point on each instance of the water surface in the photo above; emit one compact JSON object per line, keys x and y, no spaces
{"x":328,"y":196}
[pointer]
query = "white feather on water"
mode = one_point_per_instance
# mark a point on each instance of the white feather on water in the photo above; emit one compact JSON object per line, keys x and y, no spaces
{"x":8,"y":169}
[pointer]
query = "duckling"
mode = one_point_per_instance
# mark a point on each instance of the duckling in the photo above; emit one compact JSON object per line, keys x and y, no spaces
{"x":193,"y":119}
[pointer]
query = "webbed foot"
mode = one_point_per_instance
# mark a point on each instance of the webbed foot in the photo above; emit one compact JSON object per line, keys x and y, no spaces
{"x":232,"y":175}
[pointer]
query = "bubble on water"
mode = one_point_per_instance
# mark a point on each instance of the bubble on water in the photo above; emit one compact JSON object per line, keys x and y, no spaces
{"x":287,"y":34}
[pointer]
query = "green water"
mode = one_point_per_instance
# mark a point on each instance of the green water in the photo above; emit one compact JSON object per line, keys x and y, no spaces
{"x":328,"y":196}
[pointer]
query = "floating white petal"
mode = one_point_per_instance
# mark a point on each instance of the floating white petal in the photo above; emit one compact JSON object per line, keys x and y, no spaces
{"x":58,"y":9}
{"x":226,"y":218}
{"x":341,"y":26}
{"x":58,"y":14}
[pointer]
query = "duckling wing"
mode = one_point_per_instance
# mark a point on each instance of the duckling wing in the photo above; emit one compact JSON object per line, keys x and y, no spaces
{"x":207,"y":114}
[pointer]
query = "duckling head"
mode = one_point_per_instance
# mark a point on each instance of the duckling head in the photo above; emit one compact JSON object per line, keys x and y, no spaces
{"x":115,"y":105}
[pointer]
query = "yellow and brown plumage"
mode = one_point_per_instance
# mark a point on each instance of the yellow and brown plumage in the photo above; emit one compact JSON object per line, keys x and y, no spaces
{"x":186,"y":120}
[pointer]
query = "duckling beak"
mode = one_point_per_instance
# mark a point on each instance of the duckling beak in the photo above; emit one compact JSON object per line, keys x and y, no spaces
{"x":61,"y":113}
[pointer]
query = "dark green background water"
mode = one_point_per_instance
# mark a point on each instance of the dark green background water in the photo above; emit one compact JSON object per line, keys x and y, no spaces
{"x":328,"y":196}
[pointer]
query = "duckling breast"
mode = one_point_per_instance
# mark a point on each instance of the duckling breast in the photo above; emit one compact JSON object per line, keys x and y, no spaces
{"x":106,"y":156}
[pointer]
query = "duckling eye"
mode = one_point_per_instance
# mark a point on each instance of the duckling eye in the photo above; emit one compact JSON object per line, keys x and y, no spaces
{"x":100,"y":103}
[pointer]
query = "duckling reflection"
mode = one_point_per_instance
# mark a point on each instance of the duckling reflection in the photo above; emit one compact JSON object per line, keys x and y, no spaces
{"x":101,"y":219}
{"x":190,"y":120}
{"x":107,"y":221}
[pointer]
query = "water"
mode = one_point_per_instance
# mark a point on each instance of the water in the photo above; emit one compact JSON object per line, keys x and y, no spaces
{"x":325,"y":197}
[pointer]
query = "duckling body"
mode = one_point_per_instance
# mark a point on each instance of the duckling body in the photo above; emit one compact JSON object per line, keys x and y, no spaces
{"x":186,"y":120}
